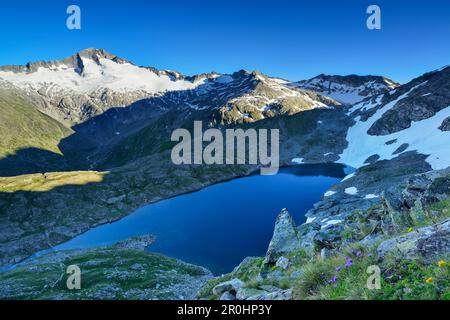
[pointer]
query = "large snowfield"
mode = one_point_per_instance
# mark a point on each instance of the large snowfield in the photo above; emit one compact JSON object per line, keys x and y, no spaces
{"x":423,"y":136}
{"x":120,"y":77}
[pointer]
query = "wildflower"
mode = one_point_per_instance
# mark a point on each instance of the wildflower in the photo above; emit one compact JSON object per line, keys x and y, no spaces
{"x":338,"y":268}
{"x":441,"y":263}
{"x":429,"y":280}
{"x":348,"y":262}
{"x":369,"y":254}
{"x":359,"y":254}
{"x":410,"y":229}
{"x":333,"y":280}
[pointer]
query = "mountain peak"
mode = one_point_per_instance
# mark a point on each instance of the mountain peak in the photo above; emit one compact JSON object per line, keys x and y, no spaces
{"x":348,"y":89}
{"x":95,"y":54}
{"x":74,"y":61}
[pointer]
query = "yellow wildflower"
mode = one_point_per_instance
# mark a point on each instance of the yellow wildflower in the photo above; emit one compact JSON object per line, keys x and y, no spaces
{"x":429,"y":280}
{"x":441,"y":263}
{"x":410,"y":229}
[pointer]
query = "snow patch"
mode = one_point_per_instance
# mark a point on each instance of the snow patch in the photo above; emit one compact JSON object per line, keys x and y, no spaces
{"x":309,"y":220}
{"x":351,"y":190}
{"x":351,"y":175}
{"x":423,"y":136}
{"x":330,"y":223}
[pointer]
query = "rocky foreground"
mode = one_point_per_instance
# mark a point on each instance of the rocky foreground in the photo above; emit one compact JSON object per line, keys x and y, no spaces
{"x":122,"y":271}
{"x":402,"y":228}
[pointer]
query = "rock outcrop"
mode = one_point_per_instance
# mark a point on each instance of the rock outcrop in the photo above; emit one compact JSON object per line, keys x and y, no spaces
{"x":428,"y":95}
{"x":285,"y":237}
{"x":429,"y":244}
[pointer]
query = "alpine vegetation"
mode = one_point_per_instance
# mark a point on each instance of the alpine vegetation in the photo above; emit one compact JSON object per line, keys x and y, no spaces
{"x":241,"y":147}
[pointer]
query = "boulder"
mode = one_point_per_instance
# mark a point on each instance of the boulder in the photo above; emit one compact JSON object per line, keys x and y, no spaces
{"x":325,"y":253}
{"x":283,"y":263}
{"x":297,"y":274}
{"x":231,"y":286}
{"x":428,"y":243}
{"x":272,"y":275}
{"x":249,"y":293}
{"x":226,"y":296}
{"x":277,"y":295}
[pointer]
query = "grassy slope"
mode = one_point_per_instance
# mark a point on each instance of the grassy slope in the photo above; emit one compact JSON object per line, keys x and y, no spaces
{"x":106,"y":273}
{"x":23,"y":126}
{"x":48,"y":181}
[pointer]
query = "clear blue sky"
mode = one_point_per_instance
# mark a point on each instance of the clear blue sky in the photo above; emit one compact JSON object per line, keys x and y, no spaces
{"x":291,"y":39}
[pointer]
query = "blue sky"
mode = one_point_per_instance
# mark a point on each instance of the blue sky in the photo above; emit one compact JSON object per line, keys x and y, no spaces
{"x":291,"y":39}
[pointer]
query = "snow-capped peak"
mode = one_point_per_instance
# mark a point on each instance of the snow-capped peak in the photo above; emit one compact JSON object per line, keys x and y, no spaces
{"x":347,"y":89}
{"x":91,"y":70}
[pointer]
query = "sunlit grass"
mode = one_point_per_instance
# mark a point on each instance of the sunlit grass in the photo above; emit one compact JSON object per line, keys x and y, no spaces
{"x":48,"y":181}
{"x":22,"y":126}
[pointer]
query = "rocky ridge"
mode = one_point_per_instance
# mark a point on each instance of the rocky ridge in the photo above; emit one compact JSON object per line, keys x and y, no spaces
{"x":348,"y":89}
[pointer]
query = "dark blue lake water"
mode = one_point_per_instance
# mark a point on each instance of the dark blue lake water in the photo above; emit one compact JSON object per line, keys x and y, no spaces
{"x":222,"y":224}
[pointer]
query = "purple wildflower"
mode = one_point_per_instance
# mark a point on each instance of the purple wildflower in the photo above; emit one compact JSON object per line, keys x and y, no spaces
{"x":369,"y":254}
{"x":359,"y":254}
{"x":348,"y":262}
{"x":338,"y":268}
{"x":333,"y":280}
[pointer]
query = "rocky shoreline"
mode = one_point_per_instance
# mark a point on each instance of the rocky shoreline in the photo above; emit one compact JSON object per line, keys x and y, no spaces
{"x":406,"y":223}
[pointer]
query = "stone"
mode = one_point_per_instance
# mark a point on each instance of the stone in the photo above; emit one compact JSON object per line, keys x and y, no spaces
{"x":269,"y":288}
{"x":275,"y":275}
{"x":231,"y":286}
{"x":247,"y":293}
{"x":428,"y":243}
{"x":371,"y":240}
{"x":297,"y":274}
{"x":285,"y":238}
{"x":277,"y":295}
{"x":325,"y":253}
{"x":226,"y":296}
{"x":326,"y":239}
{"x":283,"y":263}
